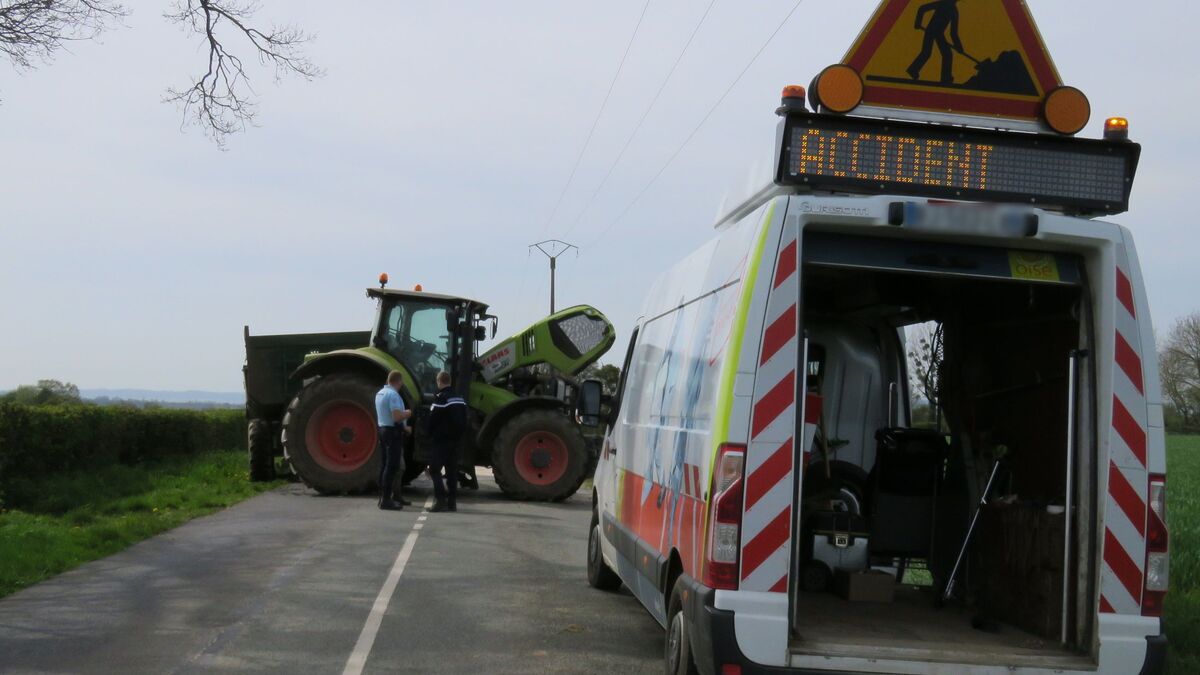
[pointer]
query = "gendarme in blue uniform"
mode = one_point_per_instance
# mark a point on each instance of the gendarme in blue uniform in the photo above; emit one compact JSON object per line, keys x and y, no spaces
{"x":391,"y":442}
{"x":387,"y":400}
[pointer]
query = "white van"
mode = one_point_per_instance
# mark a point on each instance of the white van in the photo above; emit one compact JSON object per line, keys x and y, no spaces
{"x":759,"y":541}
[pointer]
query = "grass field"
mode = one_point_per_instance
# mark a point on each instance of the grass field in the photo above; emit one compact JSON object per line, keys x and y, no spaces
{"x":1183,"y":519}
{"x":82,"y":517}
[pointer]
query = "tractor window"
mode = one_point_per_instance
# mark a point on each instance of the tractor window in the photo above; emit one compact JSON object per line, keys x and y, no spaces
{"x":393,"y":327}
{"x":416,"y":334}
{"x":426,"y":344}
{"x":427,"y":328}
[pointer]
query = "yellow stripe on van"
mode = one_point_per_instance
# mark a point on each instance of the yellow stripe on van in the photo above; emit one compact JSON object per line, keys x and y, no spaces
{"x":729,"y":369}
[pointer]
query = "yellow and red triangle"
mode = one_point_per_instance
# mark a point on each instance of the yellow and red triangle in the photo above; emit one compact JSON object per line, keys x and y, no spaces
{"x":972,"y":57}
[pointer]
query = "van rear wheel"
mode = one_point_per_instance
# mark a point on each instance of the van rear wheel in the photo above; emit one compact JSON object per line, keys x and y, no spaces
{"x":678,"y":650}
{"x":600,"y":575}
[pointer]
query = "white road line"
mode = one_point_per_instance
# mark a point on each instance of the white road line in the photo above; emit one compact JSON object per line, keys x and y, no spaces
{"x":366,"y":639}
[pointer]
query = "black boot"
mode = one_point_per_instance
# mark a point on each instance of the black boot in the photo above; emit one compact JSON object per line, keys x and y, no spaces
{"x":388,"y":504}
{"x":439,"y":506}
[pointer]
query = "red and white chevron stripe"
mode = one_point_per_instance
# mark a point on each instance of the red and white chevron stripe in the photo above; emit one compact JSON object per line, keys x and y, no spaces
{"x":1121,"y":575}
{"x":770,"y":454}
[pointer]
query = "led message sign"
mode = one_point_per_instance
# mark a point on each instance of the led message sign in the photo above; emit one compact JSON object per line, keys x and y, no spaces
{"x":863,"y":156}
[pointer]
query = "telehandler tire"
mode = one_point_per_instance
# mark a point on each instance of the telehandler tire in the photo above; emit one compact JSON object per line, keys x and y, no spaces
{"x":262,"y":451}
{"x":540,"y":455}
{"x":330,"y":436}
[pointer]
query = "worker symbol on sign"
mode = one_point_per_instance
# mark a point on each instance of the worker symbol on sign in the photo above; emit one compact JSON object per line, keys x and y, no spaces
{"x":944,"y":21}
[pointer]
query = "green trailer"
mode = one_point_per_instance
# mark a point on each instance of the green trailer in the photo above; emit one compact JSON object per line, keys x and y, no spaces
{"x":267,"y":373}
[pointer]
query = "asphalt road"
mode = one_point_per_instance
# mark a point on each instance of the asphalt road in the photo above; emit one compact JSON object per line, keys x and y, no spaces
{"x":294,"y":582}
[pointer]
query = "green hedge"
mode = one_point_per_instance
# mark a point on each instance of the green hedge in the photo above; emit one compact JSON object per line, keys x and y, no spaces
{"x":36,"y":441}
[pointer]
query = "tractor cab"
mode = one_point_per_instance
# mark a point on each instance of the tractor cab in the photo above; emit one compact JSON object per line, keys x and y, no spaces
{"x":427,"y":332}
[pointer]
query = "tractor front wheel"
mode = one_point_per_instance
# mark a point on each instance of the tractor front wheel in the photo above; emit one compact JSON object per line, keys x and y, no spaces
{"x":330,"y":434}
{"x":540,"y":455}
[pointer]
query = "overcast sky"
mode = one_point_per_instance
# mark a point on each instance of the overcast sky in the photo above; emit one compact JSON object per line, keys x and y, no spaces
{"x":435,"y":149}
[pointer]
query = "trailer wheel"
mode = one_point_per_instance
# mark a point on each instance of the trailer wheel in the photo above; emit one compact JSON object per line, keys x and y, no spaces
{"x":678,"y":648}
{"x":330,"y":435}
{"x":600,"y":575}
{"x":540,"y":455}
{"x":262,"y":450}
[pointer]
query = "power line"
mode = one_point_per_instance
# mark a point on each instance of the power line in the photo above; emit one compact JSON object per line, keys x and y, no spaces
{"x":670,"y":160}
{"x":642,"y":121}
{"x":599,"y":113}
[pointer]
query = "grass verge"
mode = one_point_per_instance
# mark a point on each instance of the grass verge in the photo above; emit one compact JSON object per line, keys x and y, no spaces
{"x":1182,"y":619}
{"x":84,"y":516}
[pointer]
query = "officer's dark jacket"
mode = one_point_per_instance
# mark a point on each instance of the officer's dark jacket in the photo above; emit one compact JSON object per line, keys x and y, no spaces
{"x":447,"y":417}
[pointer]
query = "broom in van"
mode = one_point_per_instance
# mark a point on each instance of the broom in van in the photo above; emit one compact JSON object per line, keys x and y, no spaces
{"x":1000,"y":452}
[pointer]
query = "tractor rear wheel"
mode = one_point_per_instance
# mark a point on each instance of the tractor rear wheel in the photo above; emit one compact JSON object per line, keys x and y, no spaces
{"x":540,"y":455}
{"x":262,"y":450}
{"x":330,"y":434}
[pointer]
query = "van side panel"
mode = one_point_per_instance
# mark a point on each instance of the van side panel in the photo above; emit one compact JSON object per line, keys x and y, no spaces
{"x":1125,"y":509}
{"x":673,"y":413}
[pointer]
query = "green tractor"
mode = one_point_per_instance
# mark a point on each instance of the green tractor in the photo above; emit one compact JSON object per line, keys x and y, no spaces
{"x":527,"y":408}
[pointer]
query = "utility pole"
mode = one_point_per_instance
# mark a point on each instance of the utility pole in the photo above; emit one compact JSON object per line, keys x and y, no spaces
{"x":552,"y":249}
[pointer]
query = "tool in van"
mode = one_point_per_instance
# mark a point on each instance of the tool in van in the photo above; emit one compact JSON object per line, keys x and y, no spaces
{"x":983,"y":500}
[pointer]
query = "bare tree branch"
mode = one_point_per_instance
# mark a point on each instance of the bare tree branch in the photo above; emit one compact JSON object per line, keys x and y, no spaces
{"x":32,"y":31}
{"x":221,"y":99}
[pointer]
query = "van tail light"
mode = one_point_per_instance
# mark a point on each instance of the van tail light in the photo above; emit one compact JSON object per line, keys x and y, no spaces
{"x":1158,"y":576}
{"x":725,"y":519}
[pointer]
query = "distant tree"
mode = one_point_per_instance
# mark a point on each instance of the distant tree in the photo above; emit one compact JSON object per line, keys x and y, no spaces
{"x":924,"y":370}
{"x":608,"y":374}
{"x":219,"y":100}
{"x":1179,"y":369}
{"x":45,"y":392}
{"x":925,"y":360}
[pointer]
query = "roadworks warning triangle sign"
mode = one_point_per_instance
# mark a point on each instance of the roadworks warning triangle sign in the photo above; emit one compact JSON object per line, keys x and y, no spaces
{"x":966,"y":57}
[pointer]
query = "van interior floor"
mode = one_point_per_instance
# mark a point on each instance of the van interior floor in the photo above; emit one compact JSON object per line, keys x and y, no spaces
{"x":912,"y":628}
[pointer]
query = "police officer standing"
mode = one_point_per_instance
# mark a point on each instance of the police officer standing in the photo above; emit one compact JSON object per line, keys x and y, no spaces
{"x":447,"y":422}
{"x":391,"y":414}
